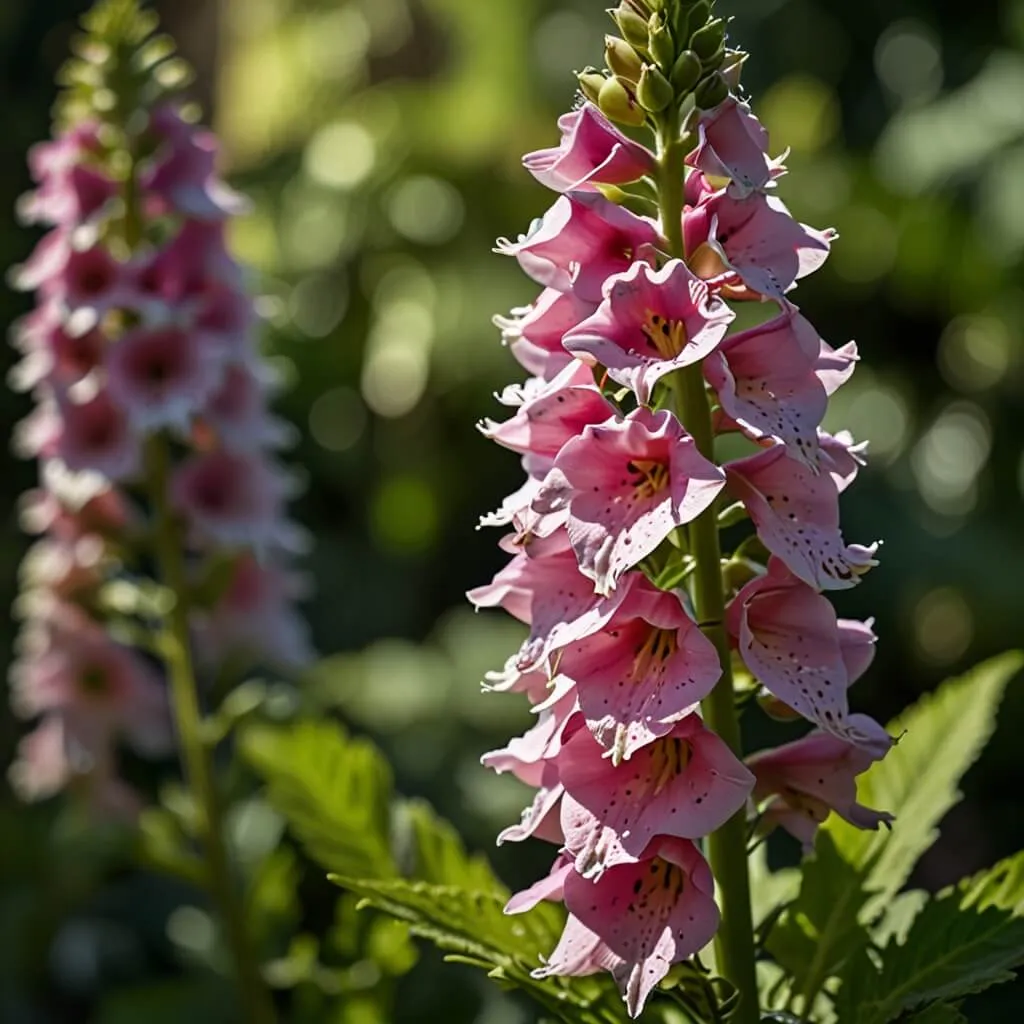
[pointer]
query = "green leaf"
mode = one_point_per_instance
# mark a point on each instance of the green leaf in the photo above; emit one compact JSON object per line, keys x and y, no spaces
{"x":432,"y":851}
{"x":334,"y":791}
{"x":820,"y":930}
{"x":473,"y":928}
{"x":942,"y":735}
{"x":963,"y":941}
{"x":939,"y":1013}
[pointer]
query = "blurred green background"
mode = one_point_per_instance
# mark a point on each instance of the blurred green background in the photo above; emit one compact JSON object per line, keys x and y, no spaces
{"x":380,"y":140}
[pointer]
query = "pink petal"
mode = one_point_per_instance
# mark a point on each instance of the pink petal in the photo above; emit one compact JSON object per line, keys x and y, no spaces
{"x":627,"y":484}
{"x":797,"y":517}
{"x":650,"y":323}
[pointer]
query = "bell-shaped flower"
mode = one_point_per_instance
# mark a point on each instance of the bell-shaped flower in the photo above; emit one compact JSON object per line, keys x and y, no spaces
{"x":161,"y":376}
{"x":646,"y":670}
{"x":791,"y":641}
{"x":232,"y":499}
{"x":237,"y":410}
{"x":97,"y":434}
{"x":534,"y":333}
{"x":592,"y":150}
{"x":734,"y":144}
{"x":550,"y":413}
{"x":254,"y":619}
{"x":796,"y":512}
{"x":580,"y":242}
{"x":651,"y":323}
{"x":69,"y":664}
{"x":52,"y":353}
{"x":841,"y":457}
{"x":542,"y":587}
{"x":684,"y":785}
{"x":804,"y":781}
{"x":182,"y":178}
{"x":768,"y":386}
{"x":627,"y":484}
{"x":757,"y":239}
{"x":636,"y":921}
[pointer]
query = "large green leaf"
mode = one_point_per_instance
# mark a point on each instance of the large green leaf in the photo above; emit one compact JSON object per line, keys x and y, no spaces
{"x":820,"y":929}
{"x":939,"y":1013}
{"x":941,"y":736}
{"x":963,"y":941}
{"x":334,"y":791}
{"x":472,"y":927}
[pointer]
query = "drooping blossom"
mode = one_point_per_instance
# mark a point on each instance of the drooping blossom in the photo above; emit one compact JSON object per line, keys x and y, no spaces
{"x":534,"y":333}
{"x":592,"y":150}
{"x":733,"y":144}
{"x":580,"y":242}
{"x":804,"y":781}
{"x":796,"y":512}
{"x":791,"y":640}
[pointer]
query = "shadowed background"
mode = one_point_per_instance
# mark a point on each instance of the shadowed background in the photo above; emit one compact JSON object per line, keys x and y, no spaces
{"x":380,"y":140}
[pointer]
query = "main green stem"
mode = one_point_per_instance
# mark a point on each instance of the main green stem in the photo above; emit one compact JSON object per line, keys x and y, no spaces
{"x":255,"y":997}
{"x":726,"y":847}
{"x":256,"y":1002}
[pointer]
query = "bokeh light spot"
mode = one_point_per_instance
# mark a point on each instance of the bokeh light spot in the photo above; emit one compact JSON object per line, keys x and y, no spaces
{"x":340,"y":156}
{"x":802,"y":110}
{"x":338,"y":419}
{"x":975,"y":352}
{"x":404,"y":514}
{"x":908,"y":61}
{"x":426,"y":210}
{"x":868,"y":245}
{"x":949,"y":457}
{"x":943,"y":626}
{"x":317,"y":304}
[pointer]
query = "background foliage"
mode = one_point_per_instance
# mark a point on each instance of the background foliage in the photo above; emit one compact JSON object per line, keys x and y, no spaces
{"x":381,"y":142}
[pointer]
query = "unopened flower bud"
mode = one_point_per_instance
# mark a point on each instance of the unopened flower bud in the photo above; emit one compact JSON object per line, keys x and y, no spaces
{"x":732,"y":68}
{"x":711,"y":92}
{"x":654,"y":91}
{"x":707,"y":41}
{"x":590,"y":83}
{"x":632,"y":26}
{"x":693,"y":20}
{"x":686,"y":72}
{"x":618,"y":104}
{"x":622,"y":59}
{"x":662,"y":47}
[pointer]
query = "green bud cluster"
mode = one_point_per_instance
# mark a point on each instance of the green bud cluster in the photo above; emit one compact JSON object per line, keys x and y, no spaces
{"x":121,"y":66}
{"x":671,"y":55}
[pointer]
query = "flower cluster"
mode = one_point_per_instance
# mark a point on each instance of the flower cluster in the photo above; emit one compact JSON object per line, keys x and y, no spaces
{"x":629,"y":778}
{"x":150,"y":393}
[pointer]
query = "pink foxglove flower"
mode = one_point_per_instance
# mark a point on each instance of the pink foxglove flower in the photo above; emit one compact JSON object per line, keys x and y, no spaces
{"x":161,"y":376}
{"x":534,"y":333}
{"x":642,"y":673}
{"x":651,"y":323}
{"x":617,"y":567}
{"x":805,"y":780}
{"x":142,"y":328}
{"x":581,"y":242}
{"x":592,"y":150}
{"x":734,"y":144}
{"x":766,"y":383}
{"x":685,"y":784}
{"x":790,"y":638}
{"x":627,"y":485}
{"x":796,"y":513}
{"x":636,"y":921}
